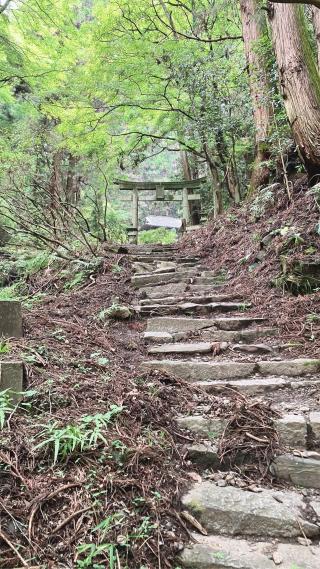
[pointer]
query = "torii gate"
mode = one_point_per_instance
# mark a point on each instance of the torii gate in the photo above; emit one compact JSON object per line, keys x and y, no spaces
{"x":165,"y":191}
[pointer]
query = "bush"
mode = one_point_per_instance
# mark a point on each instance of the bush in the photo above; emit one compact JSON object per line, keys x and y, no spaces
{"x":160,"y":235}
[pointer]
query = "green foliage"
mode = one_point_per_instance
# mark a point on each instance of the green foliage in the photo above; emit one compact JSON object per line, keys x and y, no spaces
{"x":160,"y":235}
{"x":86,"y":435}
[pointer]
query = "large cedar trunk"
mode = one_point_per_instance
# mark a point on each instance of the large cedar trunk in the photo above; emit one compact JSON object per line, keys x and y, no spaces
{"x":259,"y":88}
{"x":300,"y":81}
{"x":316,"y":25}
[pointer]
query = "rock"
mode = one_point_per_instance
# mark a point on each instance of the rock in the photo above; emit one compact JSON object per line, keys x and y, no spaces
{"x":222,"y":483}
{"x":184,"y":324}
{"x":11,"y":378}
{"x":252,"y":348}
{"x":237,"y":512}
{"x":205,"y":455}
{"x":10,"y":319}
{"x":292,"y":430}
{"x":201,"y":371}
{"x":159,"y":337}
{"x":153,"y":278}
{"x":199,"y":348}
{"x":314,"y":421}
{"x":303,"y":472}
{"x":163,"y":290}
{"x":188,"y":308}
{"x":119,"y":312}
{"x":304,"y":541}
{"x":206,"y":426}
{"x":141,"y":268}
{"x":217,"y":552}
{"x":277,"y":559}
{"x":316,"y":507}
{"x":292,"y":368}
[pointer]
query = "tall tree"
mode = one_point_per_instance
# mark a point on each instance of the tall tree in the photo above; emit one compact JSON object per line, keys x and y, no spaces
{"x":259,"y":88}
{"x":299,"y":80}
{"x":316,"y":25}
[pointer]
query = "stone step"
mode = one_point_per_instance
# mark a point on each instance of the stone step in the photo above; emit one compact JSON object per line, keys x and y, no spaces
{"x":293,"y":430}
{"x":188,"y":308}
{"x":205,"y":299}
{"x":176,"y":325}
{"x":243,"y":337}
{"x":10,"y":319}
{"x":218,"y":552}
{"x":11,"y":378}
{"x":235,"y":511}
{"x":195,"y":371}
{"x":172,"y":278}
{"x":179,"y":288}
{"x":299,"y":471}
{"x":155,"y":258}
{"x":205,"y":347}
{"x":254,"y":387}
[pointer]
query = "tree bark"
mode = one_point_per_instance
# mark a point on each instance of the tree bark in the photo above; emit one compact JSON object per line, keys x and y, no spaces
{"x":316,"y":25}
{"x":299,"y":80}
{"x":312,"y":2}
{"x":259,"y":89}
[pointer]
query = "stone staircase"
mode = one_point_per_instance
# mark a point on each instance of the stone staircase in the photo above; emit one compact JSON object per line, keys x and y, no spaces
{"x":198,"y":333}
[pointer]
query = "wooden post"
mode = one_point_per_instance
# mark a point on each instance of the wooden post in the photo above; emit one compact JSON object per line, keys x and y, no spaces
{"x":185,"y":206}
{"x":135,"y":209}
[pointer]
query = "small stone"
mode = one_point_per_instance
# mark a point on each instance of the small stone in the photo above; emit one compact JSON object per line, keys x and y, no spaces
{"x":304,"y":541}
{"x":316,"y":507}
{"x":277,"y":559}
{"x":221,"y":483}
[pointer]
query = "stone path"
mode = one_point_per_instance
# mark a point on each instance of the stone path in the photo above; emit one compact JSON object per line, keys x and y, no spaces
{"x":191,"y":322}
{"x":11,"y":371}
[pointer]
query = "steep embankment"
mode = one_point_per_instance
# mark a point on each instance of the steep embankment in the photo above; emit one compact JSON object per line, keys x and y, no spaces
{"x":270,"y":250}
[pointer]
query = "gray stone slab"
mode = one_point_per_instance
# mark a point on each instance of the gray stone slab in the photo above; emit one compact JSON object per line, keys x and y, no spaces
{"x":204,"y":454}
{"x":184,"y":324}
{"x":217,"y":552}
{"x":292,"y":430}
{"x":153,"y":278}
{"x":314,"y":421}
{"x":208,"y":427}
{"x":299,"y":471}
{"x":159,"y":337}
{"x":244,"y":336}
{"x":188,"y":308}
{"x":238,"y":512}
{"x":205,"y":299}
{"x":10,"y":319}
{"x":260,"y":386}
{"x":201,"y":371}
{"x":11,"y":378}
{"x":181,"y":348}
{"x":163,"y":290}
{"x":297,"y":367}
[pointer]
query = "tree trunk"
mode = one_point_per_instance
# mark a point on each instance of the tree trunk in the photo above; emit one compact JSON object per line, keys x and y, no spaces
{"x":316,"y":25}
{"x":312,"y":2}
{"x":299,"y":80}
{"x":259,"y":89}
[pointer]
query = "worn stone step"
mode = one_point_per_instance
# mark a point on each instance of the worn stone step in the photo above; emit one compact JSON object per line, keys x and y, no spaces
{"x":175,"y":325}
{"x":10,"y":319}
{"x":299,"y":471}
{"x":145,"y":281}
{"x":181,"y":348}
{"x":218,"y":552}
{"x":292,"y":429}
{"x":179,"y":288}
{"x":194,"y":348}
{"x":254,"y":387}
{"x":205,"y":299}
{"x":188,"y":308}
{"x":244,"y":337}
{"x":234,"y":511}
{"x":194,"y":370}
{"x":11,"y":378}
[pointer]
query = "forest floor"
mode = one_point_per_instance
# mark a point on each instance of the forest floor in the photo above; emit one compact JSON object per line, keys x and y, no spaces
{"x":119,"y":499}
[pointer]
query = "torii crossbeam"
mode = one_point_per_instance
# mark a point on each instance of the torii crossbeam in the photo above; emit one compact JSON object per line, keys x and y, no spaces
{"x":165,"y":191}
